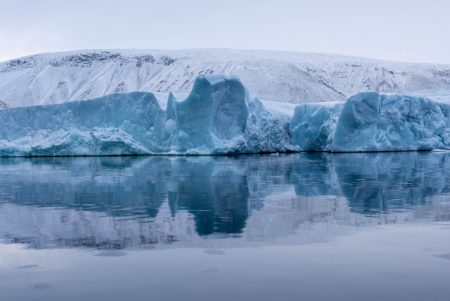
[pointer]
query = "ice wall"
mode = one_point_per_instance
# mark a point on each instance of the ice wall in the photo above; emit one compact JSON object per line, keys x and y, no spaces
{"x":213,"y":114}
{"x":112,"y":125}
{"x":382,"y":122}
{"x":372,"y":121}
{"x":218,"y":117}
{"x":313,"y":125}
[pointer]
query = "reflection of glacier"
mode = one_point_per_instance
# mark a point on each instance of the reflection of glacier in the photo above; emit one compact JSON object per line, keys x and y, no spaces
{"x":216,"y":201}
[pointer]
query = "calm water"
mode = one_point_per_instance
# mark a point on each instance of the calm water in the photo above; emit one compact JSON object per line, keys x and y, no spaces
{"x":288,"y":227}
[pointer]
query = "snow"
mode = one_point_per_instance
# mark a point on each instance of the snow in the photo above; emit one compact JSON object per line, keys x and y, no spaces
{"x":280,"y":109}
{"x":292,"y":77}
{"x":3,"y":105}
{"x":218,"y":117}
{"x":436,"y":95}
{"x":214,"y":113}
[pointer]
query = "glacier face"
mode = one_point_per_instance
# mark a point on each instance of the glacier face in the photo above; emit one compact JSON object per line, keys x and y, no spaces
{"x":381,"y":122}
{"x":313,"y":126}
{"x":111,"y":125}
{"x":215,"y":111}
{"x":218,"y":117}
{"x":372,"y":121}
{"x":293,"y":77}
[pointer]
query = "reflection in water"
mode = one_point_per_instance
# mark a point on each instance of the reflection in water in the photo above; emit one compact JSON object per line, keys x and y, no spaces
{"x":120,"y":202}
{"x":381,"y":183}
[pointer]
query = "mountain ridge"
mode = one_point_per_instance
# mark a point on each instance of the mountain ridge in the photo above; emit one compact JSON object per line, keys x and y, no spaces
{"x":283,"y":76}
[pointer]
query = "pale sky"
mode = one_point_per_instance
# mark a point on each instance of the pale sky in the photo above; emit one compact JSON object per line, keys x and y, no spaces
{"x":405,"y":30}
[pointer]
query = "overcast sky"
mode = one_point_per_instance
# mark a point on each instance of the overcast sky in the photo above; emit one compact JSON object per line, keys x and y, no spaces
{"x":406,"y":30}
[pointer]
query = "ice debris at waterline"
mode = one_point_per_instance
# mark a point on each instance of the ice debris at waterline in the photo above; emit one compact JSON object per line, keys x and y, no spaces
{"x":221,"y":117}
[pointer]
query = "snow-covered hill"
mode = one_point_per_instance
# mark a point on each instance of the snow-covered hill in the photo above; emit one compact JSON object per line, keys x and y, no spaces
{"x":272,"y":75}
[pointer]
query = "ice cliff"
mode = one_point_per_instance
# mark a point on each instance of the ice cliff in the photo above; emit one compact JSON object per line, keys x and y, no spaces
{"x":313,"y":125}
{"x":372,"y":121}
{"x":220,"y":116}
{"x":380,"y":122}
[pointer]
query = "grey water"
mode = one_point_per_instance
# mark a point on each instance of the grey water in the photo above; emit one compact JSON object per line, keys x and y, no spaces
{"x":287,"y":227}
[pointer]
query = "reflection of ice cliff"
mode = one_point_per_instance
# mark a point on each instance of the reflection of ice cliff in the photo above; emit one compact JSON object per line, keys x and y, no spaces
{"x":160,"y":201}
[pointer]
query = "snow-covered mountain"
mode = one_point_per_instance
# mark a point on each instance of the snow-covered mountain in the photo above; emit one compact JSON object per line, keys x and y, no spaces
{"x":272,"y":75}
{"x":3,"y":105}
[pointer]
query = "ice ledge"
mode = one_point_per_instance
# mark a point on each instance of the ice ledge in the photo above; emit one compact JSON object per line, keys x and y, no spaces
{"x":220,"y":116}
{"x":217,"y":117}
{"x":383,"y":122}
{"x":372,"y":122}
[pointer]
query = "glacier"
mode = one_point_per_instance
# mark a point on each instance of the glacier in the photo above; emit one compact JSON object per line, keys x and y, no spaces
{"x":381,"y":122}
{"x":220,"y":116}
{"x":371,"y":122}
{"x":313,"y":125}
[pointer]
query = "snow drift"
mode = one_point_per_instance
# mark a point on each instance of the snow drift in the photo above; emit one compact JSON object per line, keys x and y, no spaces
{"x":220,"y":116}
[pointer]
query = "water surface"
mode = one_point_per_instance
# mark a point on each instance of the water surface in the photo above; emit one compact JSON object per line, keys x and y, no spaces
{"x":288,"y":227}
